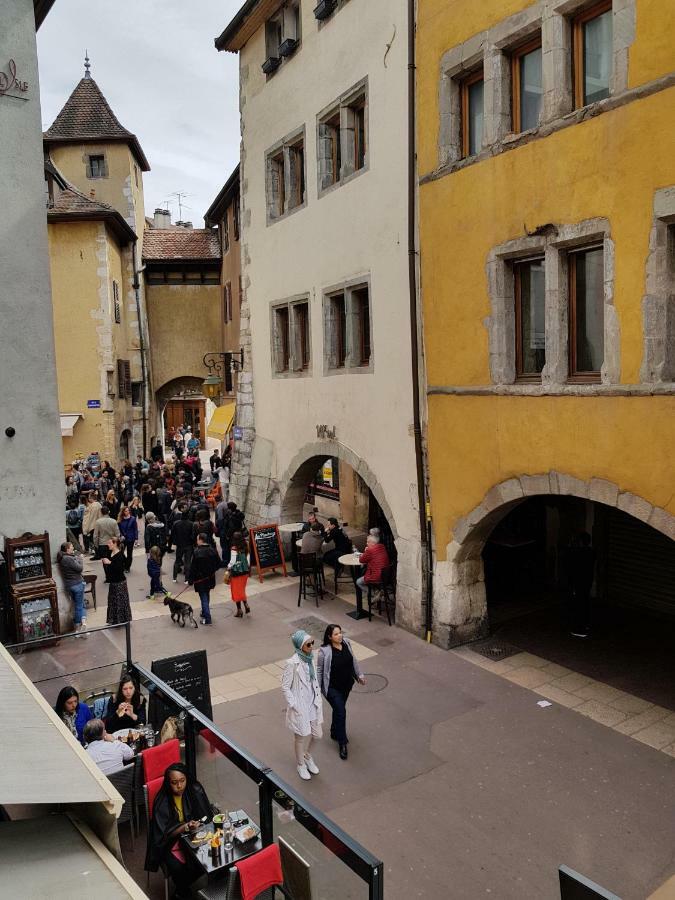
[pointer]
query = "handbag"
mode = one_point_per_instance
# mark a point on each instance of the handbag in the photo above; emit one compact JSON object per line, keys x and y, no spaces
{"x":227,"y":576}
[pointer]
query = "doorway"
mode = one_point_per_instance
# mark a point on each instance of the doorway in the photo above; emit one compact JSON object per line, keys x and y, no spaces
{"x":191,"y":413}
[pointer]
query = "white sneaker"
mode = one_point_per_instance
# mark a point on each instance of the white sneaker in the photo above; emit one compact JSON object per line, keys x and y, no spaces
{"x":304,"y":773}
{"x":311,"y":765}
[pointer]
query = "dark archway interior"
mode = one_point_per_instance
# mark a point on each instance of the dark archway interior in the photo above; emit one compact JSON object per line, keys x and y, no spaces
{"x":529,"y":574}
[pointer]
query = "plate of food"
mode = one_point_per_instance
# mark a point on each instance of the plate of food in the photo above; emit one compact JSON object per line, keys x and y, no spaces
{"x":247,"y":833}
{"x":200,"y":837}
{"x":123,"y":735}
{"x":219,"y":818}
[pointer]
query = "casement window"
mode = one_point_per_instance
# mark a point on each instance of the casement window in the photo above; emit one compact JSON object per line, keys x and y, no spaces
{"x":286,"y":178}
{"x":291,"y":337}
{"x":471,"y":115}
{"x":586,"y":313}
{"x":347,"y":328}
{"x":136,"y":393}
{"x":96,"y":166}
{"x":123,"y":379}
{"x":116,"y":303}
{"x":342,"y":138}
{"x":592,"y":54}
{"x":235,"y":217}
{"x":282,"y":36}
{"x":530,"y":298}
{"x":227,"y":303}
{"x":526,"y":85}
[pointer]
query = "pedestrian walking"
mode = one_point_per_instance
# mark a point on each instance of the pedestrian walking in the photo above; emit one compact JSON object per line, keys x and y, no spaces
{"x":155,"y":573}
{"x":71,"y":565}
{"x":239,"y":569}
{"x":338,"y":669}
{"x":181,"y":538}
{"x":128,"y":526}
{"x":119,"y":609}
{"x":105,"y":528}
{"x":155,"y":533}
{"x":202,"y":574}
{"x":74,"y":517}
{"x":92,"y":513}
{"x":304,"y":706}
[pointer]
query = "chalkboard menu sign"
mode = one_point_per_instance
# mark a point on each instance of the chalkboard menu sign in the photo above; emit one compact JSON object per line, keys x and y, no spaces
{"x":266,"y":549}
{"x":28,"y":558}
{"x":188,"y":675}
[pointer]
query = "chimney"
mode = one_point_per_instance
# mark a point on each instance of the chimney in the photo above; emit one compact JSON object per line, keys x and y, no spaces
{"x":187,"y":225}
{"x":162,"y":218}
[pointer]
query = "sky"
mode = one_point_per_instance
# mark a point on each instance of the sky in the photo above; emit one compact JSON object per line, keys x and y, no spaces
{"x":155,"y":62}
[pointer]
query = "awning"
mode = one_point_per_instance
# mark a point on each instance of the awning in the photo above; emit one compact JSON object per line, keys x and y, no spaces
{"x":68,"y":422}
{"x":221,"y":421}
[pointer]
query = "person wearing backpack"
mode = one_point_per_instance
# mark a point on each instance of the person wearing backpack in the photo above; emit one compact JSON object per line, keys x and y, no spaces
{"x":239,"y":568}
{"x":74,"y":516}
{"x":231,"y":523}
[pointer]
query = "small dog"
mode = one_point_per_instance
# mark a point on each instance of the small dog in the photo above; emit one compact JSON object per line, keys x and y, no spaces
{"x":180,"y":611}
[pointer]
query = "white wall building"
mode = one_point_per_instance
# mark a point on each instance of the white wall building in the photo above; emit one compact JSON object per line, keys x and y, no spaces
{"x":325,"y":315}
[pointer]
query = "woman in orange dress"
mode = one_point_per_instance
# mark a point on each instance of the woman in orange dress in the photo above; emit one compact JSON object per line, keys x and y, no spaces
{"x":239,"y":568}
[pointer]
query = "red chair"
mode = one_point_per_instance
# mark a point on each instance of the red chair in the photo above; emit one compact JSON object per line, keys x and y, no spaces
{"x":157,"y":759}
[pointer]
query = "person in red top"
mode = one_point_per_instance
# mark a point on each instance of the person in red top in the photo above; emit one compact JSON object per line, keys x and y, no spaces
{"x":375,"y":558}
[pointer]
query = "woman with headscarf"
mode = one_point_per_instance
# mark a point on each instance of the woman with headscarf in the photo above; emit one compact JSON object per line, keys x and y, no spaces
{"x":179,"y":805}
{"x":304,"y":707}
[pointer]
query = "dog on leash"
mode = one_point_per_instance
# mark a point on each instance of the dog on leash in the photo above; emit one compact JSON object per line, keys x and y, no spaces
{"x":180,"y":611}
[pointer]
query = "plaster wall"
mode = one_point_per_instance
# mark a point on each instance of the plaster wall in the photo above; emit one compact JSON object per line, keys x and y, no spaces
{"x":357,"y":230}
{"x":31,"y":473}
{"x":231,"y":272}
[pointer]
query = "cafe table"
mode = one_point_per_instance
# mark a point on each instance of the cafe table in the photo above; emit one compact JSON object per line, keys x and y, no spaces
{"x":351,"y":561}
{"x":293,"y":529}
{"x":202,"y":852}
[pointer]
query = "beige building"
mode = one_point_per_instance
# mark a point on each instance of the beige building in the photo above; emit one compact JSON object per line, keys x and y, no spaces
{"x":325,"y":318}
{"x":96,"y":222}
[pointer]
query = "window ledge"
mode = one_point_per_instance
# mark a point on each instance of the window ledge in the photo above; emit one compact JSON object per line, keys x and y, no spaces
{"x":511,"y":141}
{"x":272,"y":220}
{"x":345,"y":179}
{"x":556,"y":390}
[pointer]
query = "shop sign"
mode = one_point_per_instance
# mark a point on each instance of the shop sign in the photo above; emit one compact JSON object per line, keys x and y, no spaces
{"x":323,"y":431}
{"x":93,"y":404}
{"x":10,"y":83}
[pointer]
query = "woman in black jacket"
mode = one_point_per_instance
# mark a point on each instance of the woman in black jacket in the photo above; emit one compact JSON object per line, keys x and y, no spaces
{"x":127,"y":708}
{"x":179,"y":805}
{"x":119,"y":609}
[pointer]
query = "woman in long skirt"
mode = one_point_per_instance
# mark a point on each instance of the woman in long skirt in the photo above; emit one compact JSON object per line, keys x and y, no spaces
{"x":119,"y":609}
{"x":238,"y":568}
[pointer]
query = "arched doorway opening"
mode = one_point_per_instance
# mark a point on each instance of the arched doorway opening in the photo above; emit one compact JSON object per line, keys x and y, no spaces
{"x":125,"y":445}
{"x":181,"y":402}
{"x":515,"y":573}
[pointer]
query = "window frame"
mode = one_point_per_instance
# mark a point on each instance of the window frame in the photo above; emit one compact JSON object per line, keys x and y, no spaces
{"x":578,"y":70}
{"x":282,"y":339}
{"x":123,"y":379}
{"x":227,"y":303}
{"x":117,"y":311}
{"x":280,"y":160}
{"x":363,"y":324}
{"x":517,"y":54}
{"x":100,"y":163}
{"x":516,"y":266}
{"x":297,"y":355}
{"x":297,"y":161}
{"x":302,"y":335}
{"x":350,"y":157}
{"x":236,"y":213}
{"x":577,"y":376}
{"x":467,"y":81}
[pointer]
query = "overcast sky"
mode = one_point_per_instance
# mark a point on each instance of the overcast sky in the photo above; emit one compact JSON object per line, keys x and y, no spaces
{"x":155,"y":63}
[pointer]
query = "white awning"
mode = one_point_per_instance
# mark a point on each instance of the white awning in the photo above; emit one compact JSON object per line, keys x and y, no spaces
{"x":68,"y":422}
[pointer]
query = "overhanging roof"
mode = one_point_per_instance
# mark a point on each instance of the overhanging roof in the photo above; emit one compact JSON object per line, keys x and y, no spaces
{"x":216,"y":211}
{"x":41,"y":8}
{"x":246,"y":22}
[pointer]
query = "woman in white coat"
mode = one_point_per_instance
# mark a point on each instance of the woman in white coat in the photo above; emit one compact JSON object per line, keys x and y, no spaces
{"x":304,"y":708}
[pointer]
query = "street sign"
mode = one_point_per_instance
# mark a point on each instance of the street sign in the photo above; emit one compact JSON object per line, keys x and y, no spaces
{"x":238,"y":433}
{"x":93,"y":404}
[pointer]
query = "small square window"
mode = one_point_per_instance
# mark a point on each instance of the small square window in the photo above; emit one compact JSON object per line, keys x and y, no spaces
{"x":526,"y":85}
{"x":97,"y":166}
{"x":592,"y":44}
{"x":471,"y":117}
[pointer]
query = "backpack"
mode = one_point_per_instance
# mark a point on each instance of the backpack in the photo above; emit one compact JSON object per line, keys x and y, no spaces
{"x":73,"y":518}
{"x":241,"y":566}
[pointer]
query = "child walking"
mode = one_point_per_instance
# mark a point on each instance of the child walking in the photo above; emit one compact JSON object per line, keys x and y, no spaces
{"x":155,"y":573}
{"x":238,"y":568}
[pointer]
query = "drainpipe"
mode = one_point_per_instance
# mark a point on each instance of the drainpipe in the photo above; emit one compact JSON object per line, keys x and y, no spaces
{"x":141,"y":344}
{"x":423,"y":505}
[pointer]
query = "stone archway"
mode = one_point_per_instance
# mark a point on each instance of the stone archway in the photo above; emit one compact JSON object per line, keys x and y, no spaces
{"x":303,"y":466}
{"x":460,"y":607}
{"x":186,"y":385}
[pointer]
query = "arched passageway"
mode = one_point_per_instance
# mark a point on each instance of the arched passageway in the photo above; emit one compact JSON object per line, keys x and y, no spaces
{"x":181,"y":402}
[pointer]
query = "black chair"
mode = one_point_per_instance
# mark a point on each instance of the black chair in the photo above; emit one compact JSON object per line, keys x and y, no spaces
{"x":387,"y":586}
{"x":139,"y":783}
{"x":310,"y":570}
{"x":123,"y":780}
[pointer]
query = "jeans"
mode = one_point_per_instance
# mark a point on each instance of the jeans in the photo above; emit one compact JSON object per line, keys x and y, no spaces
{"x":182,"y":559}
{"x":156,"y":586}
{"x":338,"y":701}
{"x":77,"y":593}
{"x":129,"y":553}
{"x":206,"y":609}
{"x":360,"y":587}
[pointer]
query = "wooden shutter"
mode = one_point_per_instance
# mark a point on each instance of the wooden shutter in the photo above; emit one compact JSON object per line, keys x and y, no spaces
{"x":123,"y":379}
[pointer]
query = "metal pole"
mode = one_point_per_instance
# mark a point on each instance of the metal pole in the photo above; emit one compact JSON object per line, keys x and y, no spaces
{"x":266,"y":793}
{"x":127,"y":635}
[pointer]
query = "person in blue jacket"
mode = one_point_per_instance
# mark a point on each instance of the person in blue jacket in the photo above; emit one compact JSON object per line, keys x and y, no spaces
{"x":128,"y":525}
{"x":72,"y":712}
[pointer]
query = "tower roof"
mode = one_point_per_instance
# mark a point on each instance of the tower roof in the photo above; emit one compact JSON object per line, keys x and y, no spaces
{"x":87,"y":118}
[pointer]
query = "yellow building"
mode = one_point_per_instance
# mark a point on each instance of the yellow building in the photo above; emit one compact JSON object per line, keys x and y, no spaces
{"x":96,"y":223}
{"x":546,"y":156}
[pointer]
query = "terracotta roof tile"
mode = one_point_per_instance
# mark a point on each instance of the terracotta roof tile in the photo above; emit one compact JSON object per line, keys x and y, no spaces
{"x":72,"y":200}
{"x":87,"y":116}
{"x":183,"y":244}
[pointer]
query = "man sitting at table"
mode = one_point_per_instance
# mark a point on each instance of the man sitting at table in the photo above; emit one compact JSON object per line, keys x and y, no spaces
{"x":108,"y":753}
{"x":375,"y":558}
{"x":341,"y":543}
{"x":312,"y":540}
{"x":312,"y":520}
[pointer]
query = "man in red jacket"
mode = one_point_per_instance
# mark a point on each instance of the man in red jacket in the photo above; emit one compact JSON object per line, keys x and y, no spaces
{"x":375,"y":558}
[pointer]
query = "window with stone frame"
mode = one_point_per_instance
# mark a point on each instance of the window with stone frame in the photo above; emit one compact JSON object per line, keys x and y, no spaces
{"x":592,"y":54}
{"x":526,"y":85}
{"x":530,"y":317}
{"x":342,"y":138}
{"x":291,"y":337}
{"x":658,"y":302}
{"x":586,"y":313}
{"x":286,"y":178}
{"x":471,"y":90}
{"x":123,"y":379}
{"x":97,"y":166}
{"x":348,"y":328}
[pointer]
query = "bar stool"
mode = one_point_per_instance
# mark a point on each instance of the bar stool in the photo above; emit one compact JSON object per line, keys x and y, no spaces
{"x":90,"y":586}
{"x":386,"y":585}
{"x":311,"y":576}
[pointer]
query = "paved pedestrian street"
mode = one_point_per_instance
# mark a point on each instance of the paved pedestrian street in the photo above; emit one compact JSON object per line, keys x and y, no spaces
{"x":457,"y":777}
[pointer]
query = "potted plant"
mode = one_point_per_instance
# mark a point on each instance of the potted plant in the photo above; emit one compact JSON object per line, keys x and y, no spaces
{"x":271,"y":64}
{"x":324,"y":8}
{"x":288,"y":47}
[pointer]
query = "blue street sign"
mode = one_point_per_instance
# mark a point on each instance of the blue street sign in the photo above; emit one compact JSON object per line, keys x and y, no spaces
{"x":238,"y":433}
{"x":94,"y":404}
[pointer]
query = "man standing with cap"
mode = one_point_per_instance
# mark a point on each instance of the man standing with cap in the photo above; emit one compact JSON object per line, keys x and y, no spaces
{"x":304,"y":707}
